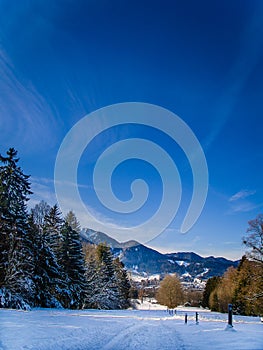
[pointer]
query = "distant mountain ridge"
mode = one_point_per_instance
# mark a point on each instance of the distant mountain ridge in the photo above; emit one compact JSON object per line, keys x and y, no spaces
{"x":142,"y":260}
{"x":97,"y":237}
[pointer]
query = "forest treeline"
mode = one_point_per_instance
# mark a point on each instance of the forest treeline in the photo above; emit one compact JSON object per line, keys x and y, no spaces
{"x":42,"y":260}
{"x":242,"y":287}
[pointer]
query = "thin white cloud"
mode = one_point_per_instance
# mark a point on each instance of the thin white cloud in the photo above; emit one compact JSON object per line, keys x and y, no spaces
{"x":241,"y":195}
{"x":41,"y":191}
{"x":22,"y":105}
{"x":247,"y":59}
{"x":45,"y":180}
{"x":231,"y":243}
{"x":243,"y":207}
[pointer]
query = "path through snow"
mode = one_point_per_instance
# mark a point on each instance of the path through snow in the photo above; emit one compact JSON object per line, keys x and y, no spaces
{"x":127,"y":329}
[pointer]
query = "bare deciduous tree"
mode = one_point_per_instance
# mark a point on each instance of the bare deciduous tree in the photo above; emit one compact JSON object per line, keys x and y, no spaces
{"x":254,"y":239}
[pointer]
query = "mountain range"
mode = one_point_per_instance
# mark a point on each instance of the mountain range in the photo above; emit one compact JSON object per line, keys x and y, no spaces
{"x":142,"y":260}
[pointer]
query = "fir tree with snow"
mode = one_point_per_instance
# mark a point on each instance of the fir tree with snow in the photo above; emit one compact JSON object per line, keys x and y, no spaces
{"x":72,"y":221}
{"x":94,"y":279}
{"x":107,"y":282}
{"x":123,"y":283}
{"x":73,"y":266}
{"x":16,"y":267}
{"x":53,"y":223}
{"x":109,"y":291}
{"x":47,"y":272}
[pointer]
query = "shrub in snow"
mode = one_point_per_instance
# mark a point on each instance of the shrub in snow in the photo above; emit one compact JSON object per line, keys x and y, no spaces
{"x":12,"y":301}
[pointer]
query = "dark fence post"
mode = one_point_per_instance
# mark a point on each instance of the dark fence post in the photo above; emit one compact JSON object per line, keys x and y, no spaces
{"x":185,"y":319}
{"x":230,"y":315}
{"x":196,"y":318}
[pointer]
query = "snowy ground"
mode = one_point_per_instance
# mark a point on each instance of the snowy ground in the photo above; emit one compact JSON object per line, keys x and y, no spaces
{"x":150,"y":327}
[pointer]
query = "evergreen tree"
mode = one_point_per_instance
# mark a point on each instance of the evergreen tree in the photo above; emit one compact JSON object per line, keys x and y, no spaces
{"x":16,"y":266}
{"x":241,"y":287}
{"x":248,"y":295}
{"x":92,"y":275}
{"x":52,"y":227}
{"x":107,"y":282}
{"x":123,"y":283}
{"x":73,"y":265}
{"x":47,"y":272}
{"x":109,"y":292}
{"x":210,"y":286}
{"x":72,"y":221}
{"x":213,"y":301}
{"x":105,"y":258}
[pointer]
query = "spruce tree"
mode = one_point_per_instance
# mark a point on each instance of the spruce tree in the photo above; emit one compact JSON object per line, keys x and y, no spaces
{"x":72,"y":221}
{"x":53,"y":223}
{"x":16,"y":266}
{"x":211,"y":284}
{"x":47,"y":272}
{"x":109,"y":295}
{"x":53,"y":226}
{"x":123,"y":283}
{"x":73,"y":266}
{"x":107,"y":281}
{"x":94,"y":282}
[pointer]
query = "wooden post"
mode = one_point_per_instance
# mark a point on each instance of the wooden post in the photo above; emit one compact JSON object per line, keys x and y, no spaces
{"x":185,"y":319}
{"x":230,"y":315}
{"x":196,"y":318}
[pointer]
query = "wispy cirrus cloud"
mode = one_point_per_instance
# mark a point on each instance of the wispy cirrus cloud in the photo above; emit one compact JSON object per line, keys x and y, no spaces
{"x":247,"y":59}
{"x":42,"y":189}
{"x":240,"y":202}
{"x":22,"y":105}
{"x":242,"y":194}
{"x":244,"y":207}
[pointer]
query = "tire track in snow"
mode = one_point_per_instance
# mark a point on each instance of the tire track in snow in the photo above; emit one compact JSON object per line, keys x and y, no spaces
{"x":146,"y":334}
{"x":115,"y":341}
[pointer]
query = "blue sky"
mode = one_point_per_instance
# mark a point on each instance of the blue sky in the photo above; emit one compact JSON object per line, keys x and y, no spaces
{"x":202,"y":60}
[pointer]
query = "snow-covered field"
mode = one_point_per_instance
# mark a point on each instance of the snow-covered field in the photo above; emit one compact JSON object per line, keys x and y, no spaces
{"x":150,"y":327}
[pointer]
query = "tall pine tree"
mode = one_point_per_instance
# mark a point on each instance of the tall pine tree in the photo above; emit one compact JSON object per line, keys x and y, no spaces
{"x":109,"y":292}
{"x":123,"y":283}
{"x":107,"y":281}
{"x":73,"y":265}
{"x":72,"y":221}
{"x":16,"y":265}
{"x":47,"y":271}
{"x":53,"y":223}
